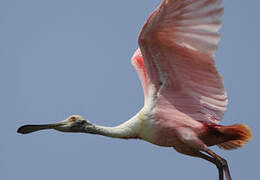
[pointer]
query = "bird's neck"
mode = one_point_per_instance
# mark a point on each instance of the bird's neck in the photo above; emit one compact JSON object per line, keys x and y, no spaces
{"x":129,"y":129}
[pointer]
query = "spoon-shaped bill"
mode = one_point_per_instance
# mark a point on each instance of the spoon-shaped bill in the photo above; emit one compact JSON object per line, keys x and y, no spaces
{"x":32,"y":128}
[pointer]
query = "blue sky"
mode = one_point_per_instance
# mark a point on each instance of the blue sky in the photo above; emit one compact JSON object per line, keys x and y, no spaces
{"x":65,"y":57}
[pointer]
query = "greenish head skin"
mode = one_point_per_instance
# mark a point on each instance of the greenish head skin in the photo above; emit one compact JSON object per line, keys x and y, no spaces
{"x":74,"y":123}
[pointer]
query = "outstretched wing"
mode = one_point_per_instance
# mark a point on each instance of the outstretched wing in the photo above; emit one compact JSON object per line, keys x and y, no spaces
{"x":177,"y":45}
{"x":138,"y":63}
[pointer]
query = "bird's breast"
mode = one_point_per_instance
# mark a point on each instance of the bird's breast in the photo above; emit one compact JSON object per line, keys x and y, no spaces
{"x":163,"y":129}
{"x":154,"y":131}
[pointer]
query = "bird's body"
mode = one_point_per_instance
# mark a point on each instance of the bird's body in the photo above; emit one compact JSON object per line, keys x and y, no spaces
{"x":184,"y":94}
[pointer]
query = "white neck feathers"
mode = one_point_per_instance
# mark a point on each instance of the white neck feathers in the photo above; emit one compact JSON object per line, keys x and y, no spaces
{"x":129,"y":129}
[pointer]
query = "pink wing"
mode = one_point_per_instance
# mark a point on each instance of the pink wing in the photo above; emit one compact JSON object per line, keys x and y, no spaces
{"x":138,"y":63}
{"x":178,"y":43}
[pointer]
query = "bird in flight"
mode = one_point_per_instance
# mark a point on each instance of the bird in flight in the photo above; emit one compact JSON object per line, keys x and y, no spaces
{"x":184,"y":94}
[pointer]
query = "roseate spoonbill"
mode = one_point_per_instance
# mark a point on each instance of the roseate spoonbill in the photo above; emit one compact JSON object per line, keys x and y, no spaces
{"x":184,"y":94}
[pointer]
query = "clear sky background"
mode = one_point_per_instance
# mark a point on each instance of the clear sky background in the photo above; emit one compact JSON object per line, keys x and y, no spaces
{"x":60,"y":57}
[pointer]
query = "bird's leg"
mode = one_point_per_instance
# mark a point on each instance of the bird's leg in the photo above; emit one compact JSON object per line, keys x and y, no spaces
{"x":221,"y":161}
{"x":214,"y":161}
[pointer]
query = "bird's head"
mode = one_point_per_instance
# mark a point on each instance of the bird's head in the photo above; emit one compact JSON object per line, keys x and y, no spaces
{"x":74,"y":123}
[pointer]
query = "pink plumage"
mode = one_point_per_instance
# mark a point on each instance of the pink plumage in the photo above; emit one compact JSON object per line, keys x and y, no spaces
{"x":179,"y":42}
{"x":184,"y":94}
{"x":180,"y":79}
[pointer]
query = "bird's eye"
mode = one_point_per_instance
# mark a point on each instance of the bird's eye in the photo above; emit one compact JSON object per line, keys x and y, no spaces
{"x":72,"y":118}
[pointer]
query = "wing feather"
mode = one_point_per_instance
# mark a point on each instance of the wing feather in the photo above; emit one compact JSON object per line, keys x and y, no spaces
{"x":138,"y":63}
{"x":177,"y":45}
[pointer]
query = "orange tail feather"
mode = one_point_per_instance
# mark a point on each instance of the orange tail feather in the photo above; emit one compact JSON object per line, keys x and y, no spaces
{"x":238,"y":135}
